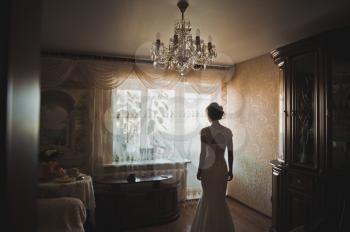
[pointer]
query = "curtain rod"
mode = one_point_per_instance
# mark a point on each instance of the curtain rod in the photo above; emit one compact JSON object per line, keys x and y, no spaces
{"x":90,"y":56}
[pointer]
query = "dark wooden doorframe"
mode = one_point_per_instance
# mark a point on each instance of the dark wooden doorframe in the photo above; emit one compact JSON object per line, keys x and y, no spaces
{"x":19,"y":119}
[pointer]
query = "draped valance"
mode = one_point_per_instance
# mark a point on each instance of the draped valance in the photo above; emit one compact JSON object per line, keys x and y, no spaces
{"x":111,"y":74}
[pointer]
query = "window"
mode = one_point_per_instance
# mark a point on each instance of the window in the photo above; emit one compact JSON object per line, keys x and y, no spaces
{"x":151,"y":124}
{"x":127,"y":123}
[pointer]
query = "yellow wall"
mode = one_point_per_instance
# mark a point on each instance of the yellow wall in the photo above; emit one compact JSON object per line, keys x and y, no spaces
{"x":252,"y":114}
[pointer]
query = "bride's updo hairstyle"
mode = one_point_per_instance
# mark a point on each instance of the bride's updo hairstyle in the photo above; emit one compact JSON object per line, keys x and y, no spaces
{"x":215,"y":111}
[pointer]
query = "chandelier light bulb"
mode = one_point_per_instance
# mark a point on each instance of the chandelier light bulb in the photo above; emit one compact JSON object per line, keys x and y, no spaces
{"x":183,"y":53}
{"x":198,"y":32}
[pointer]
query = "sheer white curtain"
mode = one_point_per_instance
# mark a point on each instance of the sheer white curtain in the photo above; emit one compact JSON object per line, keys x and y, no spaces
{"x":140,"y":115}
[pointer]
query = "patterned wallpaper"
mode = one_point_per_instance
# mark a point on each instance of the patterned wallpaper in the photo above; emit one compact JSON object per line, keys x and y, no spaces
{"x":252,"y":114}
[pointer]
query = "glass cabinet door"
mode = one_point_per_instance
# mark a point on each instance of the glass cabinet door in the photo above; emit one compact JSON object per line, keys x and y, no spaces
{"x":339,"y":113}
{"x":303,"y":109}
{"x":282,"y":118}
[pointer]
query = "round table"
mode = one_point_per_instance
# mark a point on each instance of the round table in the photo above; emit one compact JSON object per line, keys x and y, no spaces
{"x":81,"y":188}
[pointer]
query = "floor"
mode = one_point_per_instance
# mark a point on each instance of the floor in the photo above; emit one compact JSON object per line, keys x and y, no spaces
{"x":245,"y":220}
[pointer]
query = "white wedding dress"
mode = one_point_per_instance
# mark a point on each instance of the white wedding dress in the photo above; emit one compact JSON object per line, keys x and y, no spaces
{"x":212,"y":213}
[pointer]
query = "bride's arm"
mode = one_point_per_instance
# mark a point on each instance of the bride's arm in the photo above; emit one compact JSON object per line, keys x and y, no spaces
{"x":202,"y":156}
{"x":230,"y":157}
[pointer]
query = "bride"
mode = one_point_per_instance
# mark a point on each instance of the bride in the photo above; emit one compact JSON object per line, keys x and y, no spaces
{"x":212,"y":214}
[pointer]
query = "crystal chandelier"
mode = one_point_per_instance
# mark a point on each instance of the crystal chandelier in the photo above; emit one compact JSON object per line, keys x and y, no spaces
{"x":184,"y":53}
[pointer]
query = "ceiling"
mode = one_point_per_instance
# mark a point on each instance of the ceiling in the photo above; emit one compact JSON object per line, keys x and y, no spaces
{"x":241,"y":29}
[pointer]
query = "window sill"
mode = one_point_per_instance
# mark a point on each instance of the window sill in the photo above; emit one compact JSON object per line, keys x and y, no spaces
{"x":149,"y":165}
{"x":156,"y":162}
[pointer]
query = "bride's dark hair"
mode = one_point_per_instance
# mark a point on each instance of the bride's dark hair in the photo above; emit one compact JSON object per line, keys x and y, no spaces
{"x":215,"y":111}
